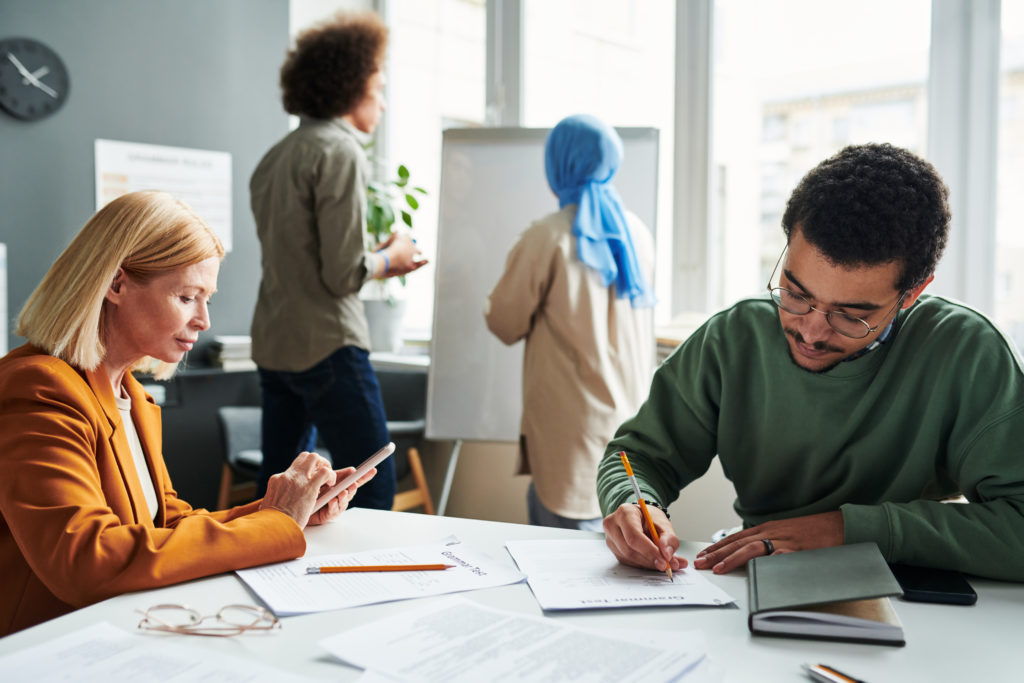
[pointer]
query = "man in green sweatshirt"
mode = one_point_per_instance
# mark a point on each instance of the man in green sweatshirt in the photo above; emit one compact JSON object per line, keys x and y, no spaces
{"x":846,"y":406}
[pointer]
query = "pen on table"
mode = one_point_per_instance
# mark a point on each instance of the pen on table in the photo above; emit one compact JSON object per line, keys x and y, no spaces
{"x":378,"y":568}
{"x":828,"y":674}
{"x":643,"y":506}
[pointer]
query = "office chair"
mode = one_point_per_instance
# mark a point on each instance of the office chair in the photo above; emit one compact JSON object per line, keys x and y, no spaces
{"x":240,"y":432}
{"x":405,"y":403}
{"x":404,"y":400}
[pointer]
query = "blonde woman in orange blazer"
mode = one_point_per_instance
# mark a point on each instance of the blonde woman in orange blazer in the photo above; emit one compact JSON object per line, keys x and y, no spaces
{"x":87,"y":510}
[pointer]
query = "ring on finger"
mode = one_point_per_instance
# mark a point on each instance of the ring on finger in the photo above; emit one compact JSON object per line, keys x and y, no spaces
{"x":769,"y":548}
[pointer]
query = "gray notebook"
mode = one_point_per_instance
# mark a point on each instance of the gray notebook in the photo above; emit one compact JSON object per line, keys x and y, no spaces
{"x":838,"y":593}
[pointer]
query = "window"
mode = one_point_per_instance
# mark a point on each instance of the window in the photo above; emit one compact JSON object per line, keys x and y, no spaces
{"x":614,"y":60}
{"x":794,"y":82}
{"x":436,"y":63}
{"x":1009,"y":283}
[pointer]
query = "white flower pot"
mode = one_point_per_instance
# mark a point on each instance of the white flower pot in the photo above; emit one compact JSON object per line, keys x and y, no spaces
{"x":385,"y":319}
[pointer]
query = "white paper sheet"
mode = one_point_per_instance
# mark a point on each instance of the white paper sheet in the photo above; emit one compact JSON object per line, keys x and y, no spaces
{"x":104,"y":653}
{"x":199,"y":177}
{"x":454,"y":639}
{"x":287,"y":589}
{"x":583,"y":574}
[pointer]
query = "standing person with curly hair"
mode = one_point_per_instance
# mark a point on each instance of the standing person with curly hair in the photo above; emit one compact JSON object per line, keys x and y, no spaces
{"x":846,"y":405}
{"x":310,"y":337}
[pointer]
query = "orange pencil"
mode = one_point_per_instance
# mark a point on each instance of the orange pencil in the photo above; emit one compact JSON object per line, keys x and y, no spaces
{"x":643,"y":505}
{"x":378,"y":568}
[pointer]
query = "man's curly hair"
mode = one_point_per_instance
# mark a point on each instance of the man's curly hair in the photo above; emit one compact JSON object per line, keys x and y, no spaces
{"x":327,"y":72}
{"x":873,"y":204}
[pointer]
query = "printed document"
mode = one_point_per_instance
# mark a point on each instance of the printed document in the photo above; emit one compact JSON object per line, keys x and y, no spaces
{"x":454,"y":639}
{"x":583,"y":574}
{"x":288,"y":590}
{"x":102,"y":653}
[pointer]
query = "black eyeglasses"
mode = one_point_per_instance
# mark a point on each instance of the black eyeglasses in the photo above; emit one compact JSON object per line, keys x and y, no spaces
{"x":844,"y":324}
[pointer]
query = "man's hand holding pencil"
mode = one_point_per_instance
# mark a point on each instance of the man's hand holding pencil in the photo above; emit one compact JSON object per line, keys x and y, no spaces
{"x":633,"y":541}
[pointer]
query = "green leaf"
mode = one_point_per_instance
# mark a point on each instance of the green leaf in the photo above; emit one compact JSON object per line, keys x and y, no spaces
{"x":375,"y":222}
{"x":381,"y":207}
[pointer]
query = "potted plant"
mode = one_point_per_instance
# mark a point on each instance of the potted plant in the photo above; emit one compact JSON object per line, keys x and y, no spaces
{"x":386,"y":201}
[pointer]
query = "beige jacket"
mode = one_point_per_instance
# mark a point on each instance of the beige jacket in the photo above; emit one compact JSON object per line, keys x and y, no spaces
{"x":308,"y":197}
{"x":588,"y":362}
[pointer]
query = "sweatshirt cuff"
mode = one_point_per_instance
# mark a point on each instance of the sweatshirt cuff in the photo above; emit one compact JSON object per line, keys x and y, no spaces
{"x":864,"y":523}
{"x":626,"y":495}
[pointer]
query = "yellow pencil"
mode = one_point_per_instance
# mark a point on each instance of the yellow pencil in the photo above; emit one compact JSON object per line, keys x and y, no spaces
{"x":378,"y":568}
{"x":643,"y":505}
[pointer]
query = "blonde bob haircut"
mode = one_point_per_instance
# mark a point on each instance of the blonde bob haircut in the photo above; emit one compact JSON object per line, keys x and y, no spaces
{"x":147,"y":234}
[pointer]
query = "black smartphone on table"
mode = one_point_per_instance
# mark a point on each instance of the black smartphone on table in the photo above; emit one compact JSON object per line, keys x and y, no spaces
{"x":923,"y":584}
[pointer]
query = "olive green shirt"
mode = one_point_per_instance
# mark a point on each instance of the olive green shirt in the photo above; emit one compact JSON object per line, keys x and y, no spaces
{"x":308,"y":196}
{"x":936,"y":411}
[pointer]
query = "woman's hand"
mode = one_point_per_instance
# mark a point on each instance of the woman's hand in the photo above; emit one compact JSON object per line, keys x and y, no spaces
{"x":335,"y":506}
{"x":294,"y":491}
{"x":403,"y":255}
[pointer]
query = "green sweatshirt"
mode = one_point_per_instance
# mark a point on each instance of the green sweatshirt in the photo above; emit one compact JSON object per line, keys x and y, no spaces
{"x":935,"y":411}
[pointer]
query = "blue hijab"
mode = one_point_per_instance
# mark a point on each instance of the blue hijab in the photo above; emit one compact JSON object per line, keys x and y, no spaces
{"x":581,"y":156}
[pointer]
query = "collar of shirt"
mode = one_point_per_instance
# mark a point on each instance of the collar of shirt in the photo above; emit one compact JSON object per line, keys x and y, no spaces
{"x":340,"y":122}
{"x":879,"y":340}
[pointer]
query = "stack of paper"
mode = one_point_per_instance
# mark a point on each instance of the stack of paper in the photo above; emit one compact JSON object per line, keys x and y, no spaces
{"x":453,"y":639}
{"x":232,"y":352}
{"x":584,"y":574}
{"x":104,"y":653}
{"x":287,"y":589}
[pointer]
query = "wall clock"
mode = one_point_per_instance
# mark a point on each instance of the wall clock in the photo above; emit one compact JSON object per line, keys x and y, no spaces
{"x":34,"y":82}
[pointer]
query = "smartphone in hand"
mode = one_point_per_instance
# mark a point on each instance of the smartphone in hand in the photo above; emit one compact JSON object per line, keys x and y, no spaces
{"x":364,"y":467}
{"x":923,"y":584}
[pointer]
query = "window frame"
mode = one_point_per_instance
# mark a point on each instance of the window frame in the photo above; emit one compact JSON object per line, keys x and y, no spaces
{"x":963,"y":111}
{"x":963,"y":101}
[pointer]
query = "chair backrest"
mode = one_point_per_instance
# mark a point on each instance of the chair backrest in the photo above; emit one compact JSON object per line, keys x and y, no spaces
{"x":240,"y":429}
{"x":405,"y":403}
{"x":404,"y":393}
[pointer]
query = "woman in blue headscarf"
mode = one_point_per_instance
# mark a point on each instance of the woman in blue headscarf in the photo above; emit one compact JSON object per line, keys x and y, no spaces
{"x":578,"y":286}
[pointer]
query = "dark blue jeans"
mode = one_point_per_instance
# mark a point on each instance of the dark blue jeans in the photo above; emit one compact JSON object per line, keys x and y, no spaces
{"x":340,"y":399}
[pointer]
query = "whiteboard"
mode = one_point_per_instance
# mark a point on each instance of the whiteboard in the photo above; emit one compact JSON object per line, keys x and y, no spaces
{"x":493,"y":187}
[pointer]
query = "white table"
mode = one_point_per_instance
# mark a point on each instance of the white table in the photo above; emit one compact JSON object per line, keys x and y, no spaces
{"x":944,"y":643}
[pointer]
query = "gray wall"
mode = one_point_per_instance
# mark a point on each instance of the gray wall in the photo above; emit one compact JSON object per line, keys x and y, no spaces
{"x":188,"y":73}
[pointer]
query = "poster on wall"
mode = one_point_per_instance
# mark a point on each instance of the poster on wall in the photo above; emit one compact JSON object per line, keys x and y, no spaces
{"x":3,"y":297}
{"x":200,"y":178}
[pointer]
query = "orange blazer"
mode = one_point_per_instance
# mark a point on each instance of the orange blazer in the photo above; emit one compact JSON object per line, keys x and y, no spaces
{"x":74,"y":528}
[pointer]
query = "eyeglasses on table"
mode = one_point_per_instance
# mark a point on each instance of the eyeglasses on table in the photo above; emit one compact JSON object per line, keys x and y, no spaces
{"x":231,"y":620}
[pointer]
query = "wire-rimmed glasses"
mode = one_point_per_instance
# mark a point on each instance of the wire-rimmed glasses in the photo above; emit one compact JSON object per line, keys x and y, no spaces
{"x":843,"y":323}
{"x":230,"y":620}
